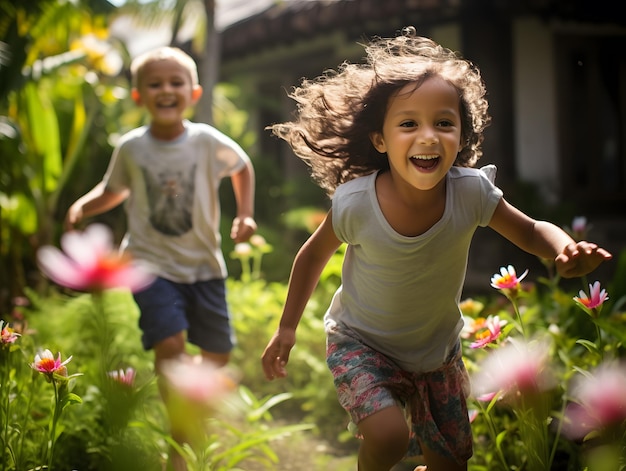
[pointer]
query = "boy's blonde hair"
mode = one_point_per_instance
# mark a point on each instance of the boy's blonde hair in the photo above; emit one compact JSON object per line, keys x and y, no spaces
{"x":159,"y":54}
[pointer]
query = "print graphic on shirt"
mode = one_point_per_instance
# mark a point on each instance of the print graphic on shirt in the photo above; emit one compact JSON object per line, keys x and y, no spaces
{"x":170,"y":196}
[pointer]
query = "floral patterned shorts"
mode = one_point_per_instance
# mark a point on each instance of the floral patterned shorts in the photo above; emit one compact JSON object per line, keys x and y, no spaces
{"x":434,"y":402}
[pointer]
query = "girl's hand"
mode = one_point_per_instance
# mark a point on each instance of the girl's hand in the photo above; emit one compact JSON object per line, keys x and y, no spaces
{"x":580,"y":258}
{"x":276,"y":354}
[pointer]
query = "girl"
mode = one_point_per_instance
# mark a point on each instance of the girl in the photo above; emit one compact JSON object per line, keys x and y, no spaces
{"x":392,"y":142}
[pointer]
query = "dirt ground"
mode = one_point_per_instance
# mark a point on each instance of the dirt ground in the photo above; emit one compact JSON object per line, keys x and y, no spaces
{"x":306,"y":452}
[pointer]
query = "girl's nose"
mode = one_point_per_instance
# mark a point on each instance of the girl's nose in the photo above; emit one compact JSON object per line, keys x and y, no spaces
{"x":428,"y":136}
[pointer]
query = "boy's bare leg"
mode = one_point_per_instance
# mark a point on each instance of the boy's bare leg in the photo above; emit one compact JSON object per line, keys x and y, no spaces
{"x":169,"y":349}
{"x":218,"y":359}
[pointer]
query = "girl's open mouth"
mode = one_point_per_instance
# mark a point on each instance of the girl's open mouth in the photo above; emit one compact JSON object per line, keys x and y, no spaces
{"x":425,"y":162}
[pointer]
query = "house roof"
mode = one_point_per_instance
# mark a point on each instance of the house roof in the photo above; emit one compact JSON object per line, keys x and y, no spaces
{"x":265,"y":23}
{"x":248,"y":26}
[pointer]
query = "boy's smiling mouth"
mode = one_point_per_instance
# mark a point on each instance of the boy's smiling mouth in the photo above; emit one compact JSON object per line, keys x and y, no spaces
{"x":425,"y":162}
{"x":167,"y":105}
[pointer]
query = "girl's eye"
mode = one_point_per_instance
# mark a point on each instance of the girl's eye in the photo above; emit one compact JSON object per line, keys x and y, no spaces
{"x":445,"y":124}
{"x":408,"y":124}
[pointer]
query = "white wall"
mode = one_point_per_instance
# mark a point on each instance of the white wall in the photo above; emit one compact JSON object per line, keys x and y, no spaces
{"x":535,"y":115}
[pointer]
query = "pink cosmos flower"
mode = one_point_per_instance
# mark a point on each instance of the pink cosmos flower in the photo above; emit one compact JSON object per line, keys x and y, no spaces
{"x":198,"y":382}
{"x":127,"y":378}
{"x":493,"y":329}
{"x":90,"y":263}
{"x":579,"y":224}
{"x":7,"y":334}
{"x":487,"y":397}
{"x":592,"y":304}
{"x":507,"y":280}
{"x":600,"y":401}
{"x":579,"y":228}
{"x":517,"y":367}
{"x":46,"y":363}
{"x":195,"y":391}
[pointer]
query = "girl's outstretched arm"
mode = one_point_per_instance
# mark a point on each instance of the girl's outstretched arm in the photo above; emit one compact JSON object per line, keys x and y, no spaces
{"x":546,"y":240}
{"x":305,"y":273}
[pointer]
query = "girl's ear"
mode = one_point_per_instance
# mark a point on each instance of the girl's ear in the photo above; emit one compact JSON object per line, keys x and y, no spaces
{"x":196,"y":93}
{"x":462,"y":143}
{"x":135,"y":95}
{"x":378,"y":142}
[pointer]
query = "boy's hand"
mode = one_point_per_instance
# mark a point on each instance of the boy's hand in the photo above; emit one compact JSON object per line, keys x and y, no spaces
{"x":242,"y":229}
{"x":276,"y":354}
{"x":580,"y":259}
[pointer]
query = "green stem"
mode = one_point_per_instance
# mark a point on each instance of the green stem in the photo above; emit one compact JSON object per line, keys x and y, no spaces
{"x":25,"y":421}
{"x":5,"y":432}
{"x":534,"y":412}
{"x":519,"y":316}
{"x":599,"y":340}
{"x":557,"y":433}
{"x":53,"y":427}
{"x":245,"y":269}
{"x":104,"y":335}
{"x":256,"y":266}
{"x":493,"y":434}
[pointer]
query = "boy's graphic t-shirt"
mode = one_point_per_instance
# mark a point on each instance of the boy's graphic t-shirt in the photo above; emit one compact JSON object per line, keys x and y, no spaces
{"x":400,"y":295}
{"x":173,"y":209}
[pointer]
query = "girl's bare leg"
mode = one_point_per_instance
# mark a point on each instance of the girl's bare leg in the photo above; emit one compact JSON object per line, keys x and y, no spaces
{"x":385,"y":440}
{"x":436,"y":462}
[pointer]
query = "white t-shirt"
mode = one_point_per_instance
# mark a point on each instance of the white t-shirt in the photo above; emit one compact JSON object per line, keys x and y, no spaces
{"x":400,"y":294}
{"x":173,"y":209}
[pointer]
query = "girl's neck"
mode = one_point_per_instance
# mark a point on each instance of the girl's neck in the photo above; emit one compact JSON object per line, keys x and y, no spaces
{"x":408,"y":211}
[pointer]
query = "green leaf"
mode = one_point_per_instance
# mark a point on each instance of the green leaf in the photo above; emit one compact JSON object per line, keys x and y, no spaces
{"x":20,"y":212}
{"x":590,"y":346}
{"x":259,"y":412}
{"x":44,"y":128}
{"x":500,"y":438}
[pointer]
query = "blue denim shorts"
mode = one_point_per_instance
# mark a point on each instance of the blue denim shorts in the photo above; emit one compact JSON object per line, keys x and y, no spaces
{"x":168,"y":308}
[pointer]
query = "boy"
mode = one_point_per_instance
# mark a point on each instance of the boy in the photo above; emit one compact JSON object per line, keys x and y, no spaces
{"x":168,"y":175}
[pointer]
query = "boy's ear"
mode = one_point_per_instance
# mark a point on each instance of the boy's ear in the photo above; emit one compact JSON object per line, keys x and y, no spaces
{"x":378,"y":142}
{"x":196,"y":93}
{"x":135,"y":95}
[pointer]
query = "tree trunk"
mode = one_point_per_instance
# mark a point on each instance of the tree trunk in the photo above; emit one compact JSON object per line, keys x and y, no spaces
{"x":208,"y":66}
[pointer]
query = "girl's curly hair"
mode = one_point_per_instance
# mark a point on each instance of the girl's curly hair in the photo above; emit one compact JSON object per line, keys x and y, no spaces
{"x":337,"y":111}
